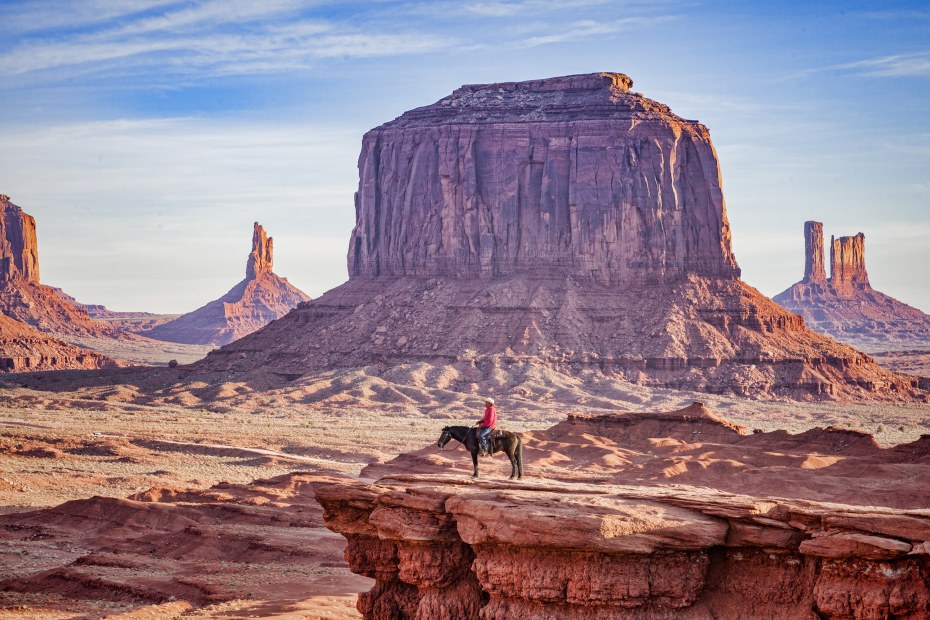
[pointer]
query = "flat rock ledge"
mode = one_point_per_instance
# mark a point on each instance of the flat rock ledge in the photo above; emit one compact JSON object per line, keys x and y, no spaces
{"x":441,"y":547}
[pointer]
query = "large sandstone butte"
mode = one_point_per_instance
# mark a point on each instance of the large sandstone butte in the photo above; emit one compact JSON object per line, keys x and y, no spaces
{"x":845,"y":306}
{"x":259,"y":299}
{"x":650,"y":515}
{"x":567,"y":222}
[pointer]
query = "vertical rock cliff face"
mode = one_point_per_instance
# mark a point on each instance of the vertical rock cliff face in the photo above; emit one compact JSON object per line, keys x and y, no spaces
{"x":575,"y":176}
{"x":565,"y":222}
{"x":845,"y":306}
{"x":813,"y":253}
{"x":19,"y":250}
{"x":847,"y":265}
{"x":250,"y":305}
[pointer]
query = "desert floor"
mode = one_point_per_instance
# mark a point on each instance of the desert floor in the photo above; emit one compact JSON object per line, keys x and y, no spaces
{"x":221,"y":479}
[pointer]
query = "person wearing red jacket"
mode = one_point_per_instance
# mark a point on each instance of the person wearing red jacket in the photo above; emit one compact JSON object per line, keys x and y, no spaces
{"x":487,"y":424}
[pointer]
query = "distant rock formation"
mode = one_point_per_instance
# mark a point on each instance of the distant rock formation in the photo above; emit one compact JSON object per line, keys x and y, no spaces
{"x":250,"y":305}
{"x":845,"y":306}
{"x":22,"y":297}
{"x":567,"y":222}
{"x":645,"y":515}
{"x":24,"y":349}
{"x":261,"y":260}
{"x":19,"y":250}
{"x":122,"y":321}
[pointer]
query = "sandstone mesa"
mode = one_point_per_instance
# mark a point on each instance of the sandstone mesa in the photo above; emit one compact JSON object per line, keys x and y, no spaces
{"x":566,"y":222}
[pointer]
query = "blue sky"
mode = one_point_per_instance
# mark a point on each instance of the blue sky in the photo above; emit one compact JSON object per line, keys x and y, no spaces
{"x":147,"y":135}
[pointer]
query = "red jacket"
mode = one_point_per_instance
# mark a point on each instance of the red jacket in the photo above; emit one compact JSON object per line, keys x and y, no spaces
{"x":490,"y":417}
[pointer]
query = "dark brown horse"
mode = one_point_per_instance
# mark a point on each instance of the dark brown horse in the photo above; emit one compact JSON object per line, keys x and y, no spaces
{"x":501,"y":441}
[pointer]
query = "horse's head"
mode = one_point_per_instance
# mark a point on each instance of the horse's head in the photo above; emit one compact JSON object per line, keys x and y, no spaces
{"x":444,"y":437}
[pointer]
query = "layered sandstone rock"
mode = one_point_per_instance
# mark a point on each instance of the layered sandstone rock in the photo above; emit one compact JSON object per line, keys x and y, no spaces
{"x":23,"y":349}
{"x":250,"y":305}
{"x":647,"y":520}
{"x":845,"y":306}
{"x":567,"y":222}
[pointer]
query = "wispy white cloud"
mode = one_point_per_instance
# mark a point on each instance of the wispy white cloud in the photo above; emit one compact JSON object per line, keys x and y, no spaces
{"x":214,"y":37}
{"x":509,"y":9}
{"x":916,"y":64}
{"x":585,"y":29}
{"x":43,"y":15}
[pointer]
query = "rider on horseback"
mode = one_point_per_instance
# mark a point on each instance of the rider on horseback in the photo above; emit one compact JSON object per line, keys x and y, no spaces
{"x":487,"y":424}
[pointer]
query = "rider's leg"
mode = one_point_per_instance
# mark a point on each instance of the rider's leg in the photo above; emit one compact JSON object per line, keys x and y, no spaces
{"x":485,"y":435}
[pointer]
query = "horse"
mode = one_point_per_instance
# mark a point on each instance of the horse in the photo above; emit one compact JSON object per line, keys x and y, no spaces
{"x":501,"y":441}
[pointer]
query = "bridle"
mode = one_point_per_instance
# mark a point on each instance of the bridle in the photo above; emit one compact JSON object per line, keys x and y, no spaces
{"x":444,"y":438}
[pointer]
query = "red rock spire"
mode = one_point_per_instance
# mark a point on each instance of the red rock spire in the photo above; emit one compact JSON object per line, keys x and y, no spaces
{"x":19,"y":250}
{"x":261,"y":259}
{"x":813,"y":253}
{"x":847,"y":263}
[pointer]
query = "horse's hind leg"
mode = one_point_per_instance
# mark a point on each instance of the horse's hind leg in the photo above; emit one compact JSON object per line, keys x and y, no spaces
{"x":513,"y":463}
{"x":474,"y":459}
{"x":519,"y":455}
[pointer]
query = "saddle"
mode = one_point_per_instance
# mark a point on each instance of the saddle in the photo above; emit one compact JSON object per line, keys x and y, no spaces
{"x":494,"y":435}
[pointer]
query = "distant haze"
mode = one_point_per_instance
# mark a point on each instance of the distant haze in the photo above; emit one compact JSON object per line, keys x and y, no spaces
{"x":147,"y":136}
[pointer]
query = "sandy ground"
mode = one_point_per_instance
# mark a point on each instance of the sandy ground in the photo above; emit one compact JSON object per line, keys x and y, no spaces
{"x":194,"y":452}
{"x":145,"y":351}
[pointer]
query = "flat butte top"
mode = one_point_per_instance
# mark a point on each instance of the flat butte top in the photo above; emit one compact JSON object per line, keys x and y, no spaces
{"x":592,"y":96}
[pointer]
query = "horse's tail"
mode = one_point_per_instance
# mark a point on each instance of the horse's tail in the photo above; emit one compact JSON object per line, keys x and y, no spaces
{"x":519,"y":455}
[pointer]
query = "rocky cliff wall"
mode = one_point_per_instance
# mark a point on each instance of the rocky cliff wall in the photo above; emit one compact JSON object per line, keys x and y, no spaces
{"x":574,"y":176}
{"x":662,"y":516}
{"x":19,"y":250}
{"x":24,"y":349}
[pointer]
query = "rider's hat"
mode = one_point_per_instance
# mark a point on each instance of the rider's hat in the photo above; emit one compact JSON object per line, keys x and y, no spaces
{"x":489,"y":400}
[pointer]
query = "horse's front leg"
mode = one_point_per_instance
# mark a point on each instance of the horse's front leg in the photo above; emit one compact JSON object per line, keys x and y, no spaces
{"x":474,"y":459}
